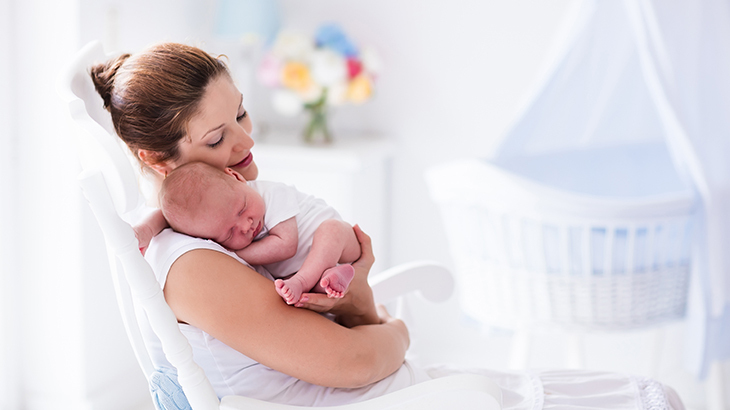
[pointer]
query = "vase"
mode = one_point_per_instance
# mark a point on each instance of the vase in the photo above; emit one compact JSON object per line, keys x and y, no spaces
{"x":317,"y":129}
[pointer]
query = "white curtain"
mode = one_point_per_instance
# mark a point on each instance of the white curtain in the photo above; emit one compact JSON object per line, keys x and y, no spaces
{"x":685,"y":55}
{"x":8,"y":211}
{"x":657,"y":71}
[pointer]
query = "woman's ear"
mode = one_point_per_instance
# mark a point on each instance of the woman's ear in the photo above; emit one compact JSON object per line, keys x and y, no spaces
{"x":151,"y":158}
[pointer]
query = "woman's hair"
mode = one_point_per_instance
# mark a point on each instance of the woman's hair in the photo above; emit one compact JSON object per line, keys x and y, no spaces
{"x":152,"y":95}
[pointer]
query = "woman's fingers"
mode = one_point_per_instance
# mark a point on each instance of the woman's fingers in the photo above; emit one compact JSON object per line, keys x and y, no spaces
{"x":367,"y":258}
{"x":383,"y":313}
{"x":357,"y":306}
{"x":318,"y":302}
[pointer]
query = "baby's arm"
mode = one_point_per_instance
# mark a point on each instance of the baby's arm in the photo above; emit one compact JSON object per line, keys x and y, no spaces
{"x":148,"y":228}
{"x":280,"y":244}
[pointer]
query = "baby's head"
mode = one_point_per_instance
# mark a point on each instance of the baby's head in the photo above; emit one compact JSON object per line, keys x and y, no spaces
{"x":203,"y":201}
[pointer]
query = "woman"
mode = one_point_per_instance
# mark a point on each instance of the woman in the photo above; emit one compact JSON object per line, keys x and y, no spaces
{"x":174,"y":104}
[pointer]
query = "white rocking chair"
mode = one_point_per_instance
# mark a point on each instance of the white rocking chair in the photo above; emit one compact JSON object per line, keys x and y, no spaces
{"x":110,"y":185}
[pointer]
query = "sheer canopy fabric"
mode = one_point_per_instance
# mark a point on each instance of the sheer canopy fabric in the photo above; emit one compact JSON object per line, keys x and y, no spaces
{"x":642,"y":71}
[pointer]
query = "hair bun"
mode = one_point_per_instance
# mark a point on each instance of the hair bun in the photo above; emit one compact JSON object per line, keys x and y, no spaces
{"x":103,"y":77}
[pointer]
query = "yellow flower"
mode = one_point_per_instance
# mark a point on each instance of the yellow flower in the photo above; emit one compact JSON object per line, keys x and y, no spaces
{"x":296,"y":76}
{"x":359,"y":89}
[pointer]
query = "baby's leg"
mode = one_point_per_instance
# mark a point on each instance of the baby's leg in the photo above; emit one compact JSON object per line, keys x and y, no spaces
{"x":334,"y":242}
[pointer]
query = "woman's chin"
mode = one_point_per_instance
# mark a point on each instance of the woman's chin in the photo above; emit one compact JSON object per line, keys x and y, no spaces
{"x":249,"y":172}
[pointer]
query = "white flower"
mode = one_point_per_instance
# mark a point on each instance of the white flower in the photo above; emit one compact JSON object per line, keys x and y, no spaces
{"x":371,"y":61}
{"x":290,"y":45}
{"x":328,"y":67}
{"x":311,"y":94}
{"x":286,"y":102}
{"x":337,"y":94}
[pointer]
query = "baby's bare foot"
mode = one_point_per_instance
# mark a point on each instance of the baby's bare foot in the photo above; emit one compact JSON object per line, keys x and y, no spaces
{"x":290,"y":290}
{"x":336,"y":280}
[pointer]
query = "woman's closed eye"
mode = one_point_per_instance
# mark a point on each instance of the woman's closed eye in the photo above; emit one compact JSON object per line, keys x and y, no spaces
{"x":216,"y":143}
{"x":242,"y":116}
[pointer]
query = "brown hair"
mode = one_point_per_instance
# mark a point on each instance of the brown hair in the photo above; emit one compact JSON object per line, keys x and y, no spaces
{"x":152,"y":95}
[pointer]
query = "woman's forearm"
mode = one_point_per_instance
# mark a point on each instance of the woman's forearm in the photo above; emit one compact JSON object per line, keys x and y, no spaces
{"x":216,"y":293}
{"x":385,"y":354}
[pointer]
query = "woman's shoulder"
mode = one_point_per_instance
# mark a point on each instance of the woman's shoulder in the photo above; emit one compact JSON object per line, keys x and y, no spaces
{"x":168,"y":246}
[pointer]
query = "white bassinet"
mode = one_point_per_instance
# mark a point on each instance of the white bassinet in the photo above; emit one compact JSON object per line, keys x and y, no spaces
{"x":594,"y":239}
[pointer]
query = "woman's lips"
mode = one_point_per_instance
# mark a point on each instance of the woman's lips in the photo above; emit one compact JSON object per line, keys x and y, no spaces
{"x":246,"y":161}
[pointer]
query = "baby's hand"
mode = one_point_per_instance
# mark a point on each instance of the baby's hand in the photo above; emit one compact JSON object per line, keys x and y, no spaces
{"x":144,"y":236}
{"x":153,"y":224}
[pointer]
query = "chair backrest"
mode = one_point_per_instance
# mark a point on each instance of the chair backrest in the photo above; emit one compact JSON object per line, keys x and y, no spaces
{"x":111,"y":187}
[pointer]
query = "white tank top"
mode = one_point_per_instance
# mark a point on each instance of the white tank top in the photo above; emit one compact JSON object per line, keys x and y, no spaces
{"x":230,"y":372}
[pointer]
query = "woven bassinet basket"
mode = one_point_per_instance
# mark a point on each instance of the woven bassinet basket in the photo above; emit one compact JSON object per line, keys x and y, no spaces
{"x":527,"y":254}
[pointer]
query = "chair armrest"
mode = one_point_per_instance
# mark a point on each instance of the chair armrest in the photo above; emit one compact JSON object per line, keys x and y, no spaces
{"x":463,"y":391}
{"x":431,"y":280}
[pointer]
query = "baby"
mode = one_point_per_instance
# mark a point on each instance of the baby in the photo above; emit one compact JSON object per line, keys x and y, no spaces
{"x":297,"y":237}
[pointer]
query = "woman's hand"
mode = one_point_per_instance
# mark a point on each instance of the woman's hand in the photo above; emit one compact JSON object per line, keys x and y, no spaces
{"x":384,"y":316}
{"x":357,"y":307}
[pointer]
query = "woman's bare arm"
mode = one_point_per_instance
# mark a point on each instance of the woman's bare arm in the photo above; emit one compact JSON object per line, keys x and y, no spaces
{"x":241,"y":308}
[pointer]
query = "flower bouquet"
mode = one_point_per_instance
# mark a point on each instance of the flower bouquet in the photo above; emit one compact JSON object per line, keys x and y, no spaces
{"x":310,"y":74}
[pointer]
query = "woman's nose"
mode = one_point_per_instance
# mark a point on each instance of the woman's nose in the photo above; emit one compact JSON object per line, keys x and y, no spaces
{"x":243,"y":141}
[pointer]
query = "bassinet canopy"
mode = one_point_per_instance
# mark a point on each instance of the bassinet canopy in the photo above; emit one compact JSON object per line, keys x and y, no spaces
{"x":649,"y":72}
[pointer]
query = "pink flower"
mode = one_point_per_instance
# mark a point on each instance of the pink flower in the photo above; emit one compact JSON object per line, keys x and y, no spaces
{"x":354,"y":67}
{"x":270,"y":71}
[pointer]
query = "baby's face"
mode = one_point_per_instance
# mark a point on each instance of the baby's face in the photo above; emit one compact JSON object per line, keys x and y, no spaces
{"x":231,"y":217}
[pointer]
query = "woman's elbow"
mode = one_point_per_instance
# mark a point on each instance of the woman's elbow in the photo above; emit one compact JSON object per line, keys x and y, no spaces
{"x":367,"y":369}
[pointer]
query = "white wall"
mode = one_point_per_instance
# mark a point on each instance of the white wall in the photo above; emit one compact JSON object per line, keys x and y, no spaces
{"x":46,"y":219}
{"x":62,"y":344}
{"x":57,"y":362}
{"x":9,"y":391}
{"x":454,"y":74}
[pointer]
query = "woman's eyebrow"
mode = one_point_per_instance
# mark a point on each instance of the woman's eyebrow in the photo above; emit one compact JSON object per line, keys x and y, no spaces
{"x":212,"y":129}
{"x":222,"y":125}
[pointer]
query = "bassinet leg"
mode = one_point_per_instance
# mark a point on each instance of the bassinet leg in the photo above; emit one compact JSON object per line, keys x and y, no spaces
{"x":575,"y":353}
{"x":658,"y":334}
{"x":520,"y":355}
{"x":716,"y":387}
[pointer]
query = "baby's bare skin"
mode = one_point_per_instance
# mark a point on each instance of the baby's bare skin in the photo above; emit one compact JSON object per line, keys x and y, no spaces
{"x":334,"y":283}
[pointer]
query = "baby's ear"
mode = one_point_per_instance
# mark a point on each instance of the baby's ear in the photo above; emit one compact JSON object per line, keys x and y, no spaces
{"x":235,"y":174}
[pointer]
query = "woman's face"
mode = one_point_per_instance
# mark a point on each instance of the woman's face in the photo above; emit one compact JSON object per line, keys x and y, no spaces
{"x":220,"y":133}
